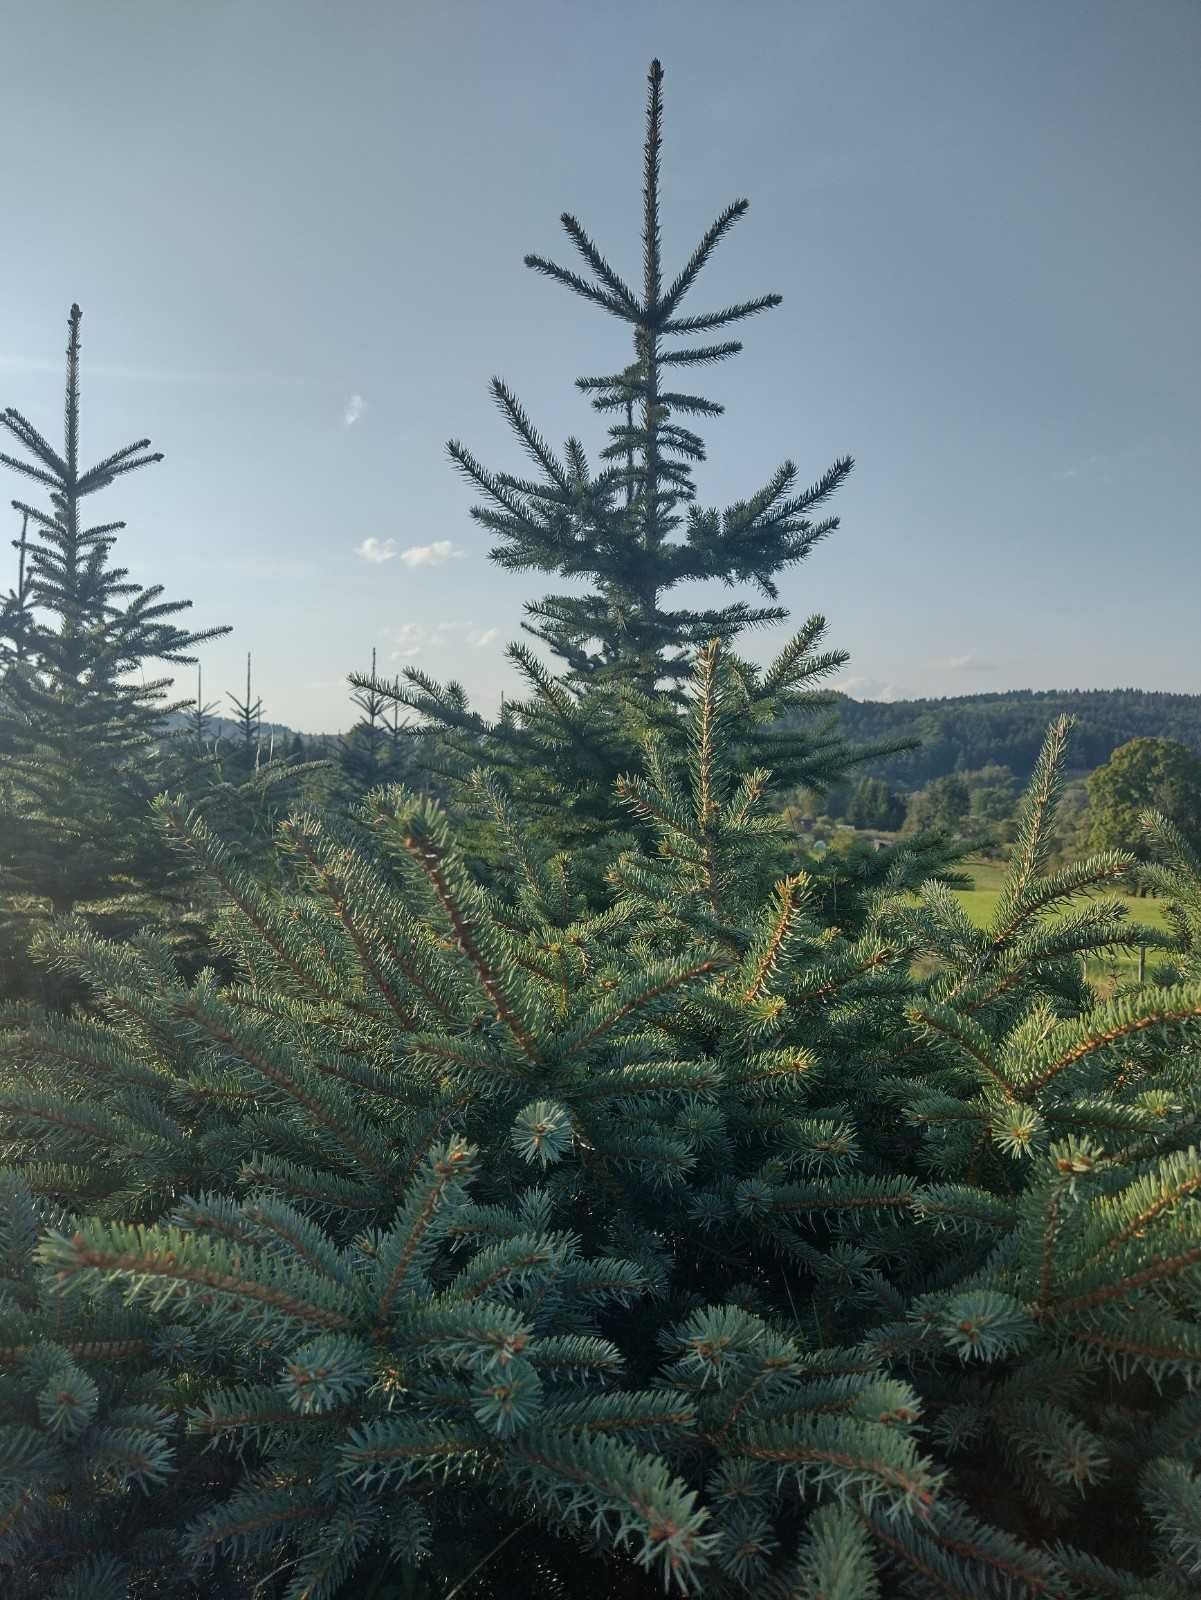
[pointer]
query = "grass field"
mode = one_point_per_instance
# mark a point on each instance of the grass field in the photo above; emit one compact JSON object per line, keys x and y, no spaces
{"x":980,"y":902}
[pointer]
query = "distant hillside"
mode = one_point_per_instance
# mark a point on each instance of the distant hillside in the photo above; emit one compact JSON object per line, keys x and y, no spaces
{"x":976,"y":730}
{"x":968,"y":731}
{"x":227,"y":728}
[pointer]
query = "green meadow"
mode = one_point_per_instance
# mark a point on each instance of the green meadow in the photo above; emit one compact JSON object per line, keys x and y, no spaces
{"x":980,"y":903}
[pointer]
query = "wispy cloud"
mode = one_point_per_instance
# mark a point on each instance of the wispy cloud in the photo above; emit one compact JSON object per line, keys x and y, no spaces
{"x":1104,"y":466}
{"x":969,"y":664}
{"x":862,"y":688}
{"x":410,"y":639}
{"x":413,"y":638}
{"x":430,"y":555}
{"x":376,"y":550}
{"x":354,"y":409}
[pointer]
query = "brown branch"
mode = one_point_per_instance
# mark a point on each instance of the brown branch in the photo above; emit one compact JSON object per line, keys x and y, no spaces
{"x":141,"y":1265}
{"x":991,"y":1070}
{"x":445,"y":1171}
{"x":788,"y":906}
{"x":430,"y":859}
{"x":653,"y":993}
{"x":1100,"y":1041}
{"x":100,"y":1350}
{"x":1133,"y":1227}
{"x":262,"y":929}
{"x":333,"y":894}
{"x":1165,"y":1267}
{"x":282,"y":1080}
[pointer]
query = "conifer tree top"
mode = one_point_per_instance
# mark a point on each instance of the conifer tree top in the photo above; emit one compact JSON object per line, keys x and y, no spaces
{"x":633,"y":526}
{"x":78,"y":711}
{"x":66,"y":565}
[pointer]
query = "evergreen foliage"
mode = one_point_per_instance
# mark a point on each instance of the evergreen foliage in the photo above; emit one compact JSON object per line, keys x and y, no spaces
{"x":872,"y":804}
{"x":620,"y":526}
{"x":688,"y":1229}
{"x":560,"y":752}
{"x":641,"y":1215}
{"x":90,"y":1434}
{"x":78,"y":730}
{"x":200,"y":718}
{"x":235,"y":778}
{"x":248,"y":722}
{"x":634,"y":529}
{"x":380,"y":747}
{"x":1174,"y":872}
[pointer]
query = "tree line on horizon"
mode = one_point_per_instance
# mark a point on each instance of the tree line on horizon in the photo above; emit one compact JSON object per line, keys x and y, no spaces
{"x":495,"y":1158}
{"x":1006,"y":728}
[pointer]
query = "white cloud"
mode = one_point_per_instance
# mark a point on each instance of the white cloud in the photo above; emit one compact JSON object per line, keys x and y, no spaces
{"x":430,"y":555}
{"x":412,"y":638}
{"x":479,"y":640}
{"x":355,"y":408}
{"x":376,"y":550}
{"x":969,"y":664}
{"x":417,"y":555}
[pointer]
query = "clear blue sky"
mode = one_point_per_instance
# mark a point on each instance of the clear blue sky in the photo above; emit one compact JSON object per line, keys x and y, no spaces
{"x":296,"y":231}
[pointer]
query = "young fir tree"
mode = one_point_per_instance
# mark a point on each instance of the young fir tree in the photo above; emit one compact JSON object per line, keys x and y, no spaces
{"x":378,"y":748}
{"x":200,"y":715}
{"x":239,"y":783}
{"x":632,"y":527}
{"x":480,"y":1225}
{"x":248,"y":720}
{"x":79,"y":726}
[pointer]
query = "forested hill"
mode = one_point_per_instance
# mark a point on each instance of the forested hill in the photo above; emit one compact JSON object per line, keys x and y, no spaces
{"x":966,"y":732}
{"x":977,"y":730}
